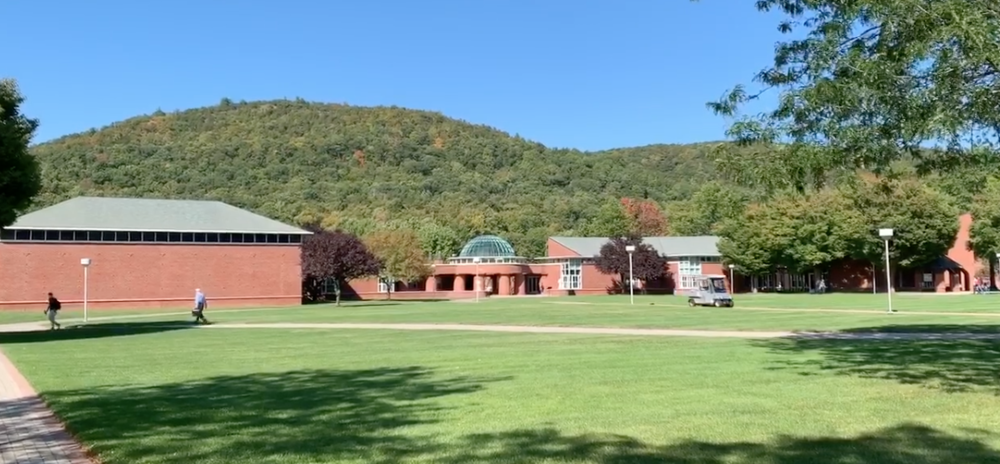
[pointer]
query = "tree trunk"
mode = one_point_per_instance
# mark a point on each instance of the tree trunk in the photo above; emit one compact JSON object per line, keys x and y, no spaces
{"x":336,"y":290}
{"x":993,"y":281}
{"x":874,"y":277}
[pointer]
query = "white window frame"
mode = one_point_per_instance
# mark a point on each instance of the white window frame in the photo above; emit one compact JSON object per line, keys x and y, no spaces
{"x":688,"y":268}
{"x":383,"y":284}
{"x":328,"y":286}
{"x":571,"y":274}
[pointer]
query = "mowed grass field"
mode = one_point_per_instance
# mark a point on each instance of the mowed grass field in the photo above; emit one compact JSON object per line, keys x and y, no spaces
{"x":155,"y":390}
{"x":753,"y":312}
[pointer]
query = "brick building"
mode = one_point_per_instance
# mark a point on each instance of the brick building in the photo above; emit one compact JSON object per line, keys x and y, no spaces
{"x":952,"y":272}
{"x":149,"y":253}
{"x":489,"y":264}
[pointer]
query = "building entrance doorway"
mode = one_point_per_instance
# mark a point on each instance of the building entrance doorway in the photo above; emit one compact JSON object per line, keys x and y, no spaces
{"x":533,"y":285}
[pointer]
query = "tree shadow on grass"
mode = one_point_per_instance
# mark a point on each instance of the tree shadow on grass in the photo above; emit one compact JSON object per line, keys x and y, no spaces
{"x":298,"y":416}
{"x":373,"y":416}
{"x":91,"y":331}
{"x":903,"y":444}
{"x":947,"y":362}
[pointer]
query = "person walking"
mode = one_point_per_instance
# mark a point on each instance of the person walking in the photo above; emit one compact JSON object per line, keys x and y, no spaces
{"x":52,"y":310}
{"x":200,"y":303}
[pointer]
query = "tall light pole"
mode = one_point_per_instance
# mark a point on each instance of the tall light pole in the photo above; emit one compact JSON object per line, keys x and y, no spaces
{"x":886,"y":235}
{"x":732,"y":279}
{"x":631,"y":282}
{"x":85,"y":262}
{"x":475,"y":282}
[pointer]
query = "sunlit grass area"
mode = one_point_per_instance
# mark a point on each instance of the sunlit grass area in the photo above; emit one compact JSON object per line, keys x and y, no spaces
{"x":753,"y":312}
{"x":157,"y":392}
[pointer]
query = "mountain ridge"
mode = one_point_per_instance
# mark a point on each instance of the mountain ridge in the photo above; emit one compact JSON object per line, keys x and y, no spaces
{"x":340,"y":164}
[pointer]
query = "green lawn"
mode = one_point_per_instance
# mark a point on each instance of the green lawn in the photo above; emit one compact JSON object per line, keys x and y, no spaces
{"x":793,"y":312}
{"x":144,"y":391}
{"x":755,"y":312}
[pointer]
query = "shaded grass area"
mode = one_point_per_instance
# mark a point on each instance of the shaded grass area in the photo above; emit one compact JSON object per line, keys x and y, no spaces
{"x":949,"y":364}
{"x":302,"y":396}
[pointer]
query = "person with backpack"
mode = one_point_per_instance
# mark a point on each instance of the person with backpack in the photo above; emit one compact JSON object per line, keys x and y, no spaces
{"x":52,"y":310}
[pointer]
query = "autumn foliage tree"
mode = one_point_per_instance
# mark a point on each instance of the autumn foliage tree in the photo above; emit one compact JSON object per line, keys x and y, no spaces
{"x":647,"y":264}
{"x":400,"y":254}
{"x":335,"y":256}
{"x":644,"y":217}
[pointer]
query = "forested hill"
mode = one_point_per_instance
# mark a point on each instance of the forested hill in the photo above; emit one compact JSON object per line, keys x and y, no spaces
{"x":355,"y":167}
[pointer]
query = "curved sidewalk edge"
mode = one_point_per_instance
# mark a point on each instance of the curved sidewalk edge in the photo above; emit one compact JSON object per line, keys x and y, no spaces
{"x":32,"y":434}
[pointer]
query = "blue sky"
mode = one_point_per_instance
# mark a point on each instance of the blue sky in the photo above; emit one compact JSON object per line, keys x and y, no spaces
{"x":585,"y":74}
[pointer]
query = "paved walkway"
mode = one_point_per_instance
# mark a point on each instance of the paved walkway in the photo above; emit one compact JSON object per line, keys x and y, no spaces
{"x":741,"y":334}
{"x":744,"y":334}
{"x":29,"y":432}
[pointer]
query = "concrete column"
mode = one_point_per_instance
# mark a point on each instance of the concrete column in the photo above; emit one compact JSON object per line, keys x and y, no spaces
{"x":459,"y":283}
{"x":504,"y":285}
{"x":432,"y":284}
{"x":522,"y":285}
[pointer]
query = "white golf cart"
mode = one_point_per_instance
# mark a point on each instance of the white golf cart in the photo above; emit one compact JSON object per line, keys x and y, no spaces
{"x":710,"y":290}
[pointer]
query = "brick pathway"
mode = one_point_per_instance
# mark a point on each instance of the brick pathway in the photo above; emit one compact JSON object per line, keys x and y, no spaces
{"x":29,"y":432}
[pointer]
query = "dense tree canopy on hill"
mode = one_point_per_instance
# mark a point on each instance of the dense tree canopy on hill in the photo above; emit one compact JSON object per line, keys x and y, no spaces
{"x":368,"y":170}
{"x":357,"y":168}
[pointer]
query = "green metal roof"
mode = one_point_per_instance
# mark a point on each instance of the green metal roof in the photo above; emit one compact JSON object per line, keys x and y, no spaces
{"x":149,"y":215}
{"x":705,"y":245}
{"x":487,"y":246}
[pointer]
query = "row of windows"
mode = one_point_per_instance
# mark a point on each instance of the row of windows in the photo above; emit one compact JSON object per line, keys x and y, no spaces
{"x":690,"y":267}
{"x":159,"y":237}
{"x":571,"y":275}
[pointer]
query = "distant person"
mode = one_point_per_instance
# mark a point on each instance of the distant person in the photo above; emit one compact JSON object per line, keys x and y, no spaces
{"x":200,"y":303}
{"x":52,"y":310}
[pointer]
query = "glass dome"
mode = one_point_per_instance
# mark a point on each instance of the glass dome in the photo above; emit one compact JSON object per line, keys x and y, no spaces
{"x":487,"y":246}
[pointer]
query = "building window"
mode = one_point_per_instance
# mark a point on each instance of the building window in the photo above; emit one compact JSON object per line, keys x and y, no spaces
{"x":689,"y":268}
{"x":112,"y":236}
{"x":330,"y":286}
{"x":571,"y":275}
{"x":383,"y":285}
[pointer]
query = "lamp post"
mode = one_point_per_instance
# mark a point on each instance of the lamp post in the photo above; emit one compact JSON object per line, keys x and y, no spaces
{"x":732,"y":279}
{"x":886,"y":235}
{"x":85,"y":262}
{"x":631,"y":282}
{"x":475,"y":282}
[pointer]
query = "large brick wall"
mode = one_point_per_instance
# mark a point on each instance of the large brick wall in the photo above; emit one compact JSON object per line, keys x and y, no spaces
{"x":146,"y":275}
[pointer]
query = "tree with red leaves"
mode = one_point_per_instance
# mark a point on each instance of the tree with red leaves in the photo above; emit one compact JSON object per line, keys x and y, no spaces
{"x":335,"y":256}
{"x":645,"y":217}
{"x":647,"y":264}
